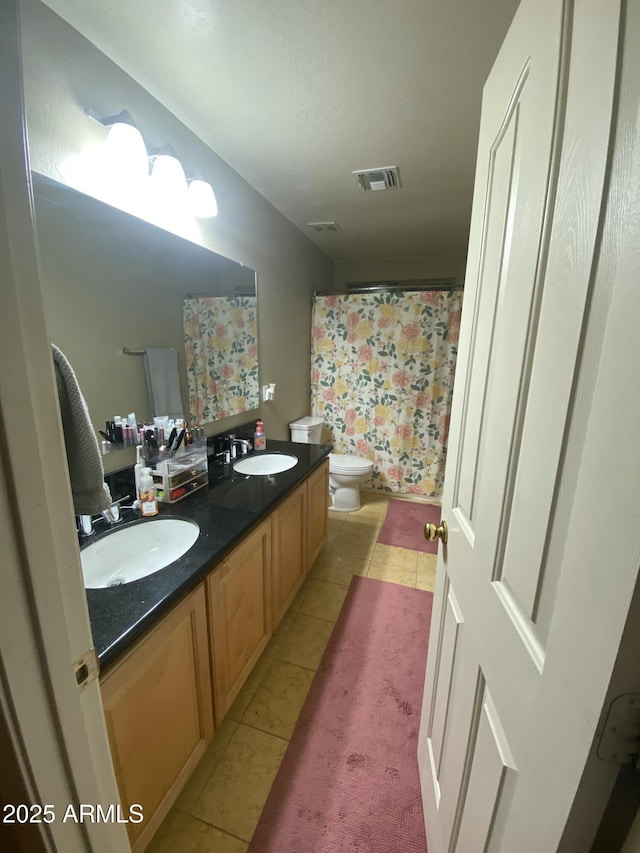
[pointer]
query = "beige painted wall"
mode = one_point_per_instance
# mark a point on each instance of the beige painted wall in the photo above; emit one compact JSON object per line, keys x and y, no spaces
{"x":399,"y":269}
{"x":63,"y":75}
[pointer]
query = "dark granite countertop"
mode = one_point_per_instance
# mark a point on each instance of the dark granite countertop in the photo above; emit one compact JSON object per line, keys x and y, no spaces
{"x":225,"y":513}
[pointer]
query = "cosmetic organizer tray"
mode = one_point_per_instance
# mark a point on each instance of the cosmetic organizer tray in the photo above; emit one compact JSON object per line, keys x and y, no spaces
{"x":178,"y":473}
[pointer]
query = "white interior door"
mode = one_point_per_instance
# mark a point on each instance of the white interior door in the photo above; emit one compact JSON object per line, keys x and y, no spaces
{"x":57,"y":731}
{"x":501,"y":653}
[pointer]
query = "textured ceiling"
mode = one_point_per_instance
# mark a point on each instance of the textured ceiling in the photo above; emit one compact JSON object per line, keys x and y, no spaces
{"x":295,"y":95}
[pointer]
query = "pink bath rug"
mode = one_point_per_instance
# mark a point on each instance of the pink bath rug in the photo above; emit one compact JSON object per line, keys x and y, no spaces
{"x":349,"y":779}
{"x":404,"y":525}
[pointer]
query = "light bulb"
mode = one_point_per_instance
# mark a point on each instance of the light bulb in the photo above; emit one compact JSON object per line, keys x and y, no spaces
{"x":202,"y":199}
{"x":126,"y":151}
{"x":167,"y":173}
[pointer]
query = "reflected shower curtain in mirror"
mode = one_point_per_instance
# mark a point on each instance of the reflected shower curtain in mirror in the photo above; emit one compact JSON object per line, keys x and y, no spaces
{"x":382,"y":370}
{"x":221,"y":353}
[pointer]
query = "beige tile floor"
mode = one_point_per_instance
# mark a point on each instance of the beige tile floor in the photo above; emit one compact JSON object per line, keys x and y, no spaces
{"x":219,"y":808}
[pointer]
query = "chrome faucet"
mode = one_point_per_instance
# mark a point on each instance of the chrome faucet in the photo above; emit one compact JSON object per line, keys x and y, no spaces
{"x":244,"y":445}
{"x":111,"y":515}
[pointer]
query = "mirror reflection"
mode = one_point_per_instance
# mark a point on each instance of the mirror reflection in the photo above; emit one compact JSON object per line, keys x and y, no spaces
{"x":114,"y":285}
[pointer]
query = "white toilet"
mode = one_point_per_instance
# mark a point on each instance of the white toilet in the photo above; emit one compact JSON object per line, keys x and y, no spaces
{"x":346,"y":472}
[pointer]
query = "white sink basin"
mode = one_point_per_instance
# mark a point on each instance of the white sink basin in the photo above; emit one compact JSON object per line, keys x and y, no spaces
{"x":133,"y":552}
{"x":266,"y":463}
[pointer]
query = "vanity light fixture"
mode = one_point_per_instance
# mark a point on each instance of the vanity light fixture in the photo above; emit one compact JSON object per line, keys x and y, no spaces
{"x":202,"y":199}
{"x":130,"y":159}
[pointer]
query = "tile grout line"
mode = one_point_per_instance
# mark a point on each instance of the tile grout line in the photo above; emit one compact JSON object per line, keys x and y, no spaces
{"x":212,"y":825}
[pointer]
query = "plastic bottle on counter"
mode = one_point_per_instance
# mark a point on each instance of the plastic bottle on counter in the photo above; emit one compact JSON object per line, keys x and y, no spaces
{"x":137,"y":473}
{"x":259,"y":438}
{"x":147,"y":494}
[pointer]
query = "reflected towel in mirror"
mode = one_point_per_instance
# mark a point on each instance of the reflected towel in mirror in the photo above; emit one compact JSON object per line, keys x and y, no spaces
{"x":163,"y":382}
{"x":90,"y":493}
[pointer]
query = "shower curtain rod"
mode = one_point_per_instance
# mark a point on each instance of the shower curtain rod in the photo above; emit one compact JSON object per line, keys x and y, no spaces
{"x":388,"y":289}
{"x":237,"y":291}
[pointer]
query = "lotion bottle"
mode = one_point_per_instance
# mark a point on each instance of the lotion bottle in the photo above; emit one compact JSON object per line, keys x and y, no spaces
{"x":137,"y":473}
{"x":259,"y":438}
{"x":147,"y":494}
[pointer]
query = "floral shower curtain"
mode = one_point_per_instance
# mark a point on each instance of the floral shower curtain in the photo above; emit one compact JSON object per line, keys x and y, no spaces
{"x":221,"y":353}
{"x":382,"y":371}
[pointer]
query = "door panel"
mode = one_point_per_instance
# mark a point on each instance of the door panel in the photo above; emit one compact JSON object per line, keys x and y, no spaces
{"x":451,"y":629}
{"x":455,"y":700}
{"x":500,"y":195}
{"x":492,"y":761}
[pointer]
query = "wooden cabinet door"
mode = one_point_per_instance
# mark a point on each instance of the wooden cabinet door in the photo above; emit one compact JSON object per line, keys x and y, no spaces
{"x":240,"y":615}
{"x":157,"y":704}
{"x":289,"y":551}
{"x":317,"y":511}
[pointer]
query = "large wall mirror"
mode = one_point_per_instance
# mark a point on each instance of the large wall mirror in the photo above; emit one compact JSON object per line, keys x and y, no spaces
{"x":113,"y":283}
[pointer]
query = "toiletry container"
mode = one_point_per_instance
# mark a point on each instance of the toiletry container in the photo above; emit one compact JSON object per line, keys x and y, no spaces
{"x":137,"y":473}
{"x":259,"y":438}
{"x":307,"y":430}
{"x":147,"y":494}
{"x":180,"y":472}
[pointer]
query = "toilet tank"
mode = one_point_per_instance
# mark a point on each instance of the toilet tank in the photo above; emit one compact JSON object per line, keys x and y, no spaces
{"x":307,"y":430}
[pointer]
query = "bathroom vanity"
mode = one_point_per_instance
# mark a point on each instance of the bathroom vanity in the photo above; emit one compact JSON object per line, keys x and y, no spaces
{"x":177,"y":646}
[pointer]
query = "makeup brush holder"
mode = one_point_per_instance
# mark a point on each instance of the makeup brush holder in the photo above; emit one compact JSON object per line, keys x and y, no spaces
{"x":178,"y":473}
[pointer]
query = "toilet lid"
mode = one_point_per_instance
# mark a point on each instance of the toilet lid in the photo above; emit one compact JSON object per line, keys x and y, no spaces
{"x":306,"y":423}
{"x":342,"y":463}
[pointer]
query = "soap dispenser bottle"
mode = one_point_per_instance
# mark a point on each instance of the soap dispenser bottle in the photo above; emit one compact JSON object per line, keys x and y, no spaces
{"x":259,"y":438}
{"x":147,"y":494}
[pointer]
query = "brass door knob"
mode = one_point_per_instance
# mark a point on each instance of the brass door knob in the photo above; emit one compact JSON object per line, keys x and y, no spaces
{"x":432,"y":532}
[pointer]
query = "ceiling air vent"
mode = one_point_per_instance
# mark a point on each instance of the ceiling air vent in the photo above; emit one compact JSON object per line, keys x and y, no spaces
{"x":384,"y":178}
{"x":323,"y":226}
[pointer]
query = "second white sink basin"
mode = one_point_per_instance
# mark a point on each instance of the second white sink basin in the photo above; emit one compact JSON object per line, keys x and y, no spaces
{"x":265,"y":463}
{"x":131,"y":553}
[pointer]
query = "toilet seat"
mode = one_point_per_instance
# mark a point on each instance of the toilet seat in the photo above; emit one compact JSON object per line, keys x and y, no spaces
{"x":341,"y":463}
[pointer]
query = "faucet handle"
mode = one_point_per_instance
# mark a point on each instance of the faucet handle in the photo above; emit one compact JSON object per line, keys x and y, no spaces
{"x":85,"y":525}
{"x":232,"y":445}
{"x":112,"y":513}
